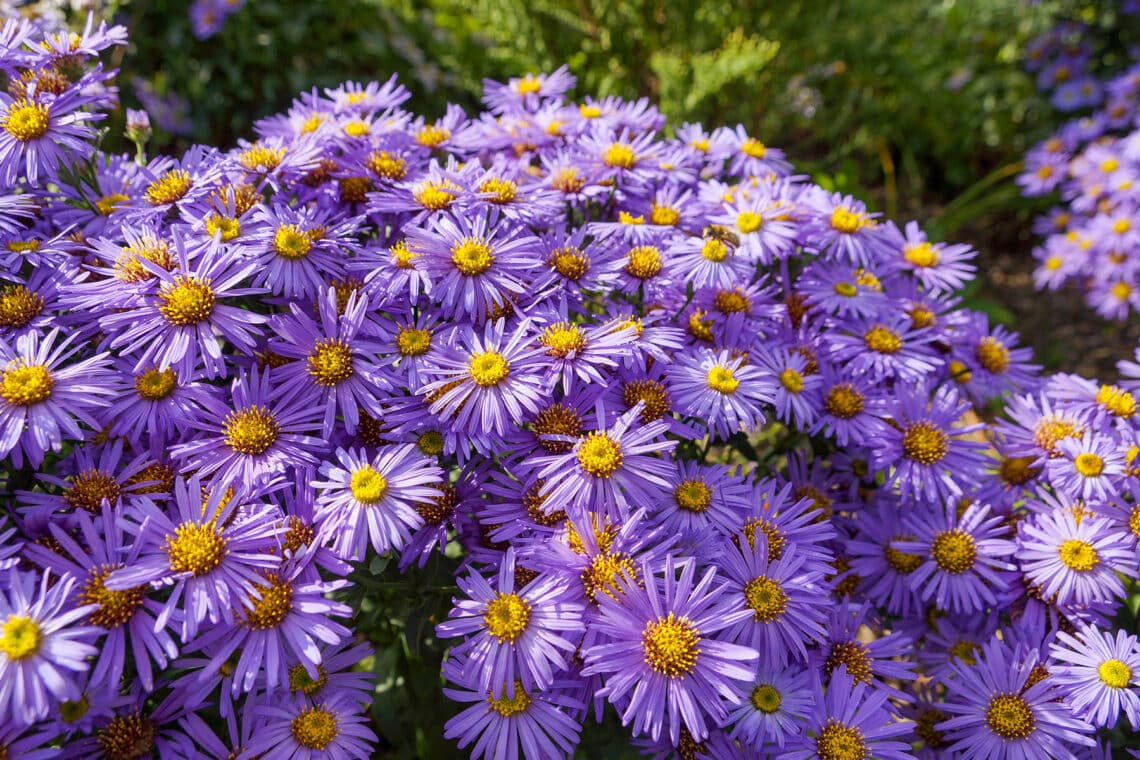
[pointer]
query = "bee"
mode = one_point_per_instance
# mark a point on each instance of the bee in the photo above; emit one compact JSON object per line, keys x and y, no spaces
{"x":721,"y":233}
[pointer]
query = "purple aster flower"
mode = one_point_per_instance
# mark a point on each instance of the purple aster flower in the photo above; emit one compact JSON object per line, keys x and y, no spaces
{"x":924,"y":447}
{"x":126,"y":616}
{"x":475,"y":264}
{"x":41,"y":134}
{"x":705,"y":499}
{"x":786,"y":599}
{"x":330,"y":361}
{"x":41,"y":645}
{"x":280,"y":623}
{"x":938,"y":266}
{"x":760,"y":223}
{"x":211,"y":550}
{"x":297,"y":250}
{"x":254,"y":436}
{"x":42,"y":400}
{"x":724,"y":392}
{"x":850,"y":406}
{"x":775,"y":711}
{"x":876,"y":662}
{"x":535,"y":724}
{"x":513,"y":635}
{"x":837,"y":289}
{"x":1076,"y":562}
{"x":486,"y":382}
{"x":1001,"y":716}
{"x":660,"y":654}
{"x":1088,"y":467}
{"x":179,"y":326}
{"x":842,"y":227}
{"x":849,"y":719}
{"x":159,"y":405}
{"x":583,"y":353}
{"x":372,"y":500}
{"x":888,"y":346}
{"x":964,"y":556}
{"x":611,"y":469}
{"x":884,"y":570}
{"x":1101,"y":674}
{"x":796,"y":393}
{"x":297,"y":730}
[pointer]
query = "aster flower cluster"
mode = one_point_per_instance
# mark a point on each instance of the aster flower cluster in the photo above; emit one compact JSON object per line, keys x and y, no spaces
{"x":712,"y":443}
{"x":1092,"y":163}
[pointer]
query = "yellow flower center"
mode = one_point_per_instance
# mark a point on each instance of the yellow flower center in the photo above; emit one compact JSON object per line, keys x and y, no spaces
{"x":368,"y":485}
{"x":882,"y":339}
{"x":169,"y":188}
{"x":357,"y":128}
{"x":508,"y":706}
{"x":954,"y":551}
{"x":116,"y":608}
{"x":20,"y":637}
{"x":489,"y":368}
{"x":387,"y":165}
{"x":562,"y":339}
{"x":1078,"y":555}
{"x":26,"y":120}
{"x":433,"y":196}
{"x":731,"y":302}
{"x":261,"y":158}
{"x":315,"y":728}
{"x":599,"y":455}
{"x":846,"y":289}
{"x":411,"y":341}
{"x":901,"y":562}
{"x":1088,"y":464}
{"x":773,"y":535}
{"x":23,"y":384}
{"x":506,"y":617}
{"x":653,"y":395}
{"x":1009,"y":716}
{"x":749,"y":221}
{"x":571,"y":263}
{"x":273,"y":606}
{"x":838,"y":741}
{"x":925,"y":442}
{"x":331,"y":362}
{"x":186,"y":302}
{"x":127,"y":266}
{"x":721,"y":380}
{"x":291,"y":242}
{"x":714,"y":250}
{"x":195,"y":548}
{"x":89,"y":488}
{"x":670,"y":645}
{"x":693,"y":495}
{"x":792,"y":380}
{"x":19,"y":306}
{"x":665,"y":216}
{"x":228,"y":227}
{"x":921,"y":254}
{"x":433,"y":135}
{"x":108,"y":203}
{"x":754,"y":148}
{"x":1116,"y":400}
{"x":766,"y":598}
{"x":127,"y":737}
{"x":644,"y":262}
{"x":766,"y":698}
{"x":619,"y":155}
{"x":606,"y":573}
{"x":844,"y":401}
{"x":853,"y":656}
{"x":992,"y":355}
{"x":155,"y":384}
{"x":499,"y":190}
{"x":251,"y":431}
{"x":847,"y":221}
{"x":1114,"y":674}
{"x":557,"y":419}
{"x":300,"y":680}
{"x":1120,"y":226}
{"x":472,"y":256}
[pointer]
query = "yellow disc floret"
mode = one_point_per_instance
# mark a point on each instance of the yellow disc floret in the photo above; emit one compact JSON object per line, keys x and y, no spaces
{"x":506,"y":617}
{"x":169,"y":188}
{"x":562,"y":339}
{"x":26,"y":120}
{"x":155,"y":384}
{"x":722,"y":380}
{"x":368,"y":485}
{"x":1009,"y":716}
{"x":472,"y":256}
{"x":272,"y":606}
{"x":187,"y":301}
{"x":251,"y":430}
{"x":1114,"y":674}
{"x":489,"y":368}
{"x":23,"y":384}
{"x":767,"y":599}
{"x":670,"y":645}
{"x":315,"y":728}
{"x":599,"y":455}
{"x":954,"y":551}
{"x":1078,"y":555}
{"x":19,"y":306}
{"x":925,"y":442}
{"x":195,"y":548}
{"x":20,"y":637}
{"x":330,"y":363}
